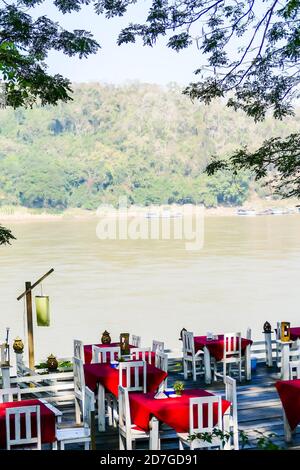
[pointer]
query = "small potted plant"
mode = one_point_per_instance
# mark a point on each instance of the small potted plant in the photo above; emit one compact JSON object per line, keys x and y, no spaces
{"x":178,"y":387}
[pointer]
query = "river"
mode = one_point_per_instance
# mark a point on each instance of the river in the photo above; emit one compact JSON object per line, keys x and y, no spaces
{"x":246,"y":273}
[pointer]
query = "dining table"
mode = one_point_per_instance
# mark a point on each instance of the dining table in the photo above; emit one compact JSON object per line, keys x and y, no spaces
{"x":104,"y":378}
{"x":48,"y":420}
{"x":214,"y":348}
{"x":88,"y":352}
{"x":147,"y":412}
{"x":289,"y":394}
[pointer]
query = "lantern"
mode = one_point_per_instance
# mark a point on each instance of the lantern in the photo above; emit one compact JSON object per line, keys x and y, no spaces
{"x":42,"y":310}
{"x":105,"y":338}
{"x":285,"y":331}
{"x":18,"y":345}
{"x":124,"y":344}
{"x":267,"y":327}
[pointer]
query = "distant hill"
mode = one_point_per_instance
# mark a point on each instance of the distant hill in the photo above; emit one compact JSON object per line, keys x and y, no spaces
{"x":143,"y":141}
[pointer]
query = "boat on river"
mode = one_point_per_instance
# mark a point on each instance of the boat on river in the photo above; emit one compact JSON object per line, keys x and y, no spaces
{"x":246,"y":212}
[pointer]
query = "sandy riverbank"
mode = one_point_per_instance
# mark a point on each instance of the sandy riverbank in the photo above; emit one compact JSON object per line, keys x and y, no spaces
{"x":29,"y":215}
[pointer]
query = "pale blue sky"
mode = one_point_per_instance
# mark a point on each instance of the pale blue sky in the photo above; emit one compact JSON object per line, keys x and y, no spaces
{"x":116,"y":64}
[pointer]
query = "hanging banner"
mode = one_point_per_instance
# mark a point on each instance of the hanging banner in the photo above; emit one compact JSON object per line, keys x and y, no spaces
{"x":42,"y":310}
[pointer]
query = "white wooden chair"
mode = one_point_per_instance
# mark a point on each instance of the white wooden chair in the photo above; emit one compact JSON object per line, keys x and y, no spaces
{"x":134,"y":382}
{"x":136,"y":341}
{"x":128,"y":432}
{"x":294,"y":367}
{"x":79,"y":386}
{"x":195,"y":361}
{"x":104,"y":355}
{"x":139,"y":354}
{"x":10,"y":394}
{"x":107,"y":355}
{"x":232,"y":355}
{"x":158,"y":346}
{"x":231,"y":396}
{"x":79,"y":434}
{"x":161,"y":362}
{"x":78,"y":349}
{"x":23,"y":437}
{"x":198,"y":425}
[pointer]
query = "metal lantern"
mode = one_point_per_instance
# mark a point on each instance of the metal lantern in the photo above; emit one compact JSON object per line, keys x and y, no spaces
{"x":105,"y":338}
{"x":267,"y":327}
{"x":42,"y":310}
{"x":124,"y":344}
{"x":18,"y":345}
{"x":285,"y":331}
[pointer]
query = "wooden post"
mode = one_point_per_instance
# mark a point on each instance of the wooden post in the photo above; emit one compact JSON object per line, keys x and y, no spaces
{"x":29,"y":325}
{"x":268,"y":345}
{"x":28,"y":296}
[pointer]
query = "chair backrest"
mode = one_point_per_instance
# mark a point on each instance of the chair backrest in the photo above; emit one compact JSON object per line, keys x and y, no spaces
{"x":124,"y":410}
{"x":89,"y":406}
{"x":232,"y":344}
{"x":205,"y":414}
{"x":103,"y":355}
{"x":19,"y":429}
{"x":230,"y":395}
{"x":79,"y":381}
{"x":188,"y":344}
{"x":136,"y":341}
{"x":161,"y":360}
{"x":248,"y":333}
{"x":10,"y":394}
{"x":141,"y":354}
{"x":158,"y":346}
{"x":294,"y":367}
{"x":135,"y":374}
{"x":78,"y":349}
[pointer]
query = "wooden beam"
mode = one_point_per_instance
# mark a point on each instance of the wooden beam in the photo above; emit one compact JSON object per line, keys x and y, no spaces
{"x":32,"y":286}
{"x":28,"y":289}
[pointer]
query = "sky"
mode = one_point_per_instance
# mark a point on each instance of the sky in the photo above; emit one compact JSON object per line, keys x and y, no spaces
{"x":118,"y":64}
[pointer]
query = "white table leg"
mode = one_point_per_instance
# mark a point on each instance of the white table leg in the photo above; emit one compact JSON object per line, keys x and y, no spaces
{"x":101,"y":408}
{"x":154,"y":434}
{"x":287,"y":429}
{"x":248,"y":362}
{"x":207,"y":365}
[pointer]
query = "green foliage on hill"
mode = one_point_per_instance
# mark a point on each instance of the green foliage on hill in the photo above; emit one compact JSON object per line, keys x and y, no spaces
{"x":143,"y":141}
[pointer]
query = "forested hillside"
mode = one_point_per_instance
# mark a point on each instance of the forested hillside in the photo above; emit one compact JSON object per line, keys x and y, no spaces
{"x":143,"y":141}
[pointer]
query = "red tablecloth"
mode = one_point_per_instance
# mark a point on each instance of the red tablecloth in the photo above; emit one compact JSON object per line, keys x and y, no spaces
{"x":88,"y":351}
{"x":172,"y":411}
{"x":47,"y":421}
{"x":295,"y":333}
{"x":216,"y":346}
{"x":108,"y":376}
{"x":289,"y":393}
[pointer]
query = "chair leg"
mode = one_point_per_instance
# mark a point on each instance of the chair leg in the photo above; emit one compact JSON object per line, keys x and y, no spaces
{"x":185,"y":372}
{"x":121,"y":442}
{"x":62,"y":445}
{"x":77,"y":411}
{"x":87,"y":445}
{"x":194,"y":371}
{"x":180,"y":445}
{"x":235,"y":439}
{"x":54,"y":445}
{"x":109,"y":410}
{"x":128,"y":443}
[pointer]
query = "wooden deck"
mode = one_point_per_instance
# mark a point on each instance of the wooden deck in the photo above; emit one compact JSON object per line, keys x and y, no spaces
{"x":259,"y":409}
